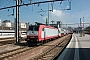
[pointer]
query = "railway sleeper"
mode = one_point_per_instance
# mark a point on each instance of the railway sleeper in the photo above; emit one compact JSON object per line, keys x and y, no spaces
{"x":51,"y":54}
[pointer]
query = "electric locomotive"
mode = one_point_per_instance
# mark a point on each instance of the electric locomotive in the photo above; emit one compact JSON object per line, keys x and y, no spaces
{"x":40,"y":33}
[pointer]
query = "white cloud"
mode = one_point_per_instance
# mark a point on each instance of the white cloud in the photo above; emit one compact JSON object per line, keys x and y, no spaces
{"x":68,"y":18}
{"x":59,"y":15}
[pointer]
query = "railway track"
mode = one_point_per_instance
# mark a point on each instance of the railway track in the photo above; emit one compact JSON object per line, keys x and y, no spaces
{"x":11,"y":40}
{"x":49,"y":54}
{"x":12,"y":53}
{"x":7,"y":38}
{"x":53,"y":51}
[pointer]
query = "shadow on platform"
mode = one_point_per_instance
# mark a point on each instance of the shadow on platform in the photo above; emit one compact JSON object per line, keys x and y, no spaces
{"x":69,"y":54}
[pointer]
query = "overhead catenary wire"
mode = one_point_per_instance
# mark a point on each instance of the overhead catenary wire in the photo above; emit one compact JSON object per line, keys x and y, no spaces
{"x":28,"y":4}
{"x":34,"y":11}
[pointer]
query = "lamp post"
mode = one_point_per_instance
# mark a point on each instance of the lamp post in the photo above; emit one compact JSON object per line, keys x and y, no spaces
{"x":83,"y":27}
{"x":80,"y":28}
{"x":83,"y":23}
{"x":48,"y":13}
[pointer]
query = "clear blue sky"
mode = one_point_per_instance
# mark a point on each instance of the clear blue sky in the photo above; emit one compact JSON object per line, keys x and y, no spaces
{"x":79,"y":9}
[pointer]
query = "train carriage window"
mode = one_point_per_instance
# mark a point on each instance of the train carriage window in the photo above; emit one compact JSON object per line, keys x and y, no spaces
{"x":34,"y":28}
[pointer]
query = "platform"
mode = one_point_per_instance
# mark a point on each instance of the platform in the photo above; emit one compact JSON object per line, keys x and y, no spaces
{"x":77,"y":49}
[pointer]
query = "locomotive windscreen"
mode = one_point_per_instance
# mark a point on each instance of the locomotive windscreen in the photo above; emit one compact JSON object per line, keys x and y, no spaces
{"x":34,"y":28}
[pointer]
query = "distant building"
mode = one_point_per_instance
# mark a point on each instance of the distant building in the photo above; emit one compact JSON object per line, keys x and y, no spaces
{"x":70,"y":29}
{"x":6,"y":23}
{"x":27,"y":25}
{"x":59,"y":23}
{"x":12,"y":24}
{"x":22,"y":25}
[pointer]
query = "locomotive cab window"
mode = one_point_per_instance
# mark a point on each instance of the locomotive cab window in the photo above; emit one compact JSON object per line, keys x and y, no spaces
{"x":59,"y":31}
{"x":34,"y":28}
{"x":43,"y":29}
